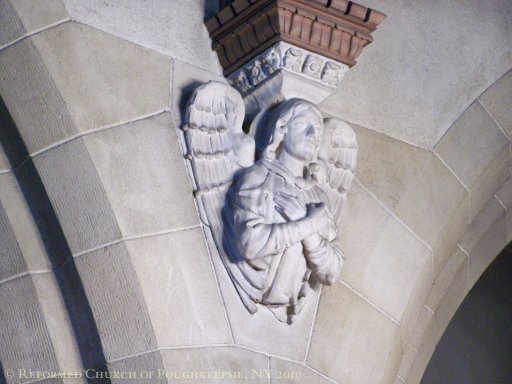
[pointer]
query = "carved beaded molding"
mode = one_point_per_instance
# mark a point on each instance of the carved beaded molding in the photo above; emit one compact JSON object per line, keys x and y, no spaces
{"x":283,"y":56}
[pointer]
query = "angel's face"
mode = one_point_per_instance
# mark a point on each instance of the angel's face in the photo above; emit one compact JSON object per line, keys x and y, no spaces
{"x":303,"y":136}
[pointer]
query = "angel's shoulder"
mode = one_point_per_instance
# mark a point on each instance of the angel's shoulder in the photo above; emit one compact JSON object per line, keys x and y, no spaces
{"x":253,"y":176}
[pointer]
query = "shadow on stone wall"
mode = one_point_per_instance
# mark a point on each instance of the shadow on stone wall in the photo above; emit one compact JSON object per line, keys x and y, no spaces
{"x":57,"y":248}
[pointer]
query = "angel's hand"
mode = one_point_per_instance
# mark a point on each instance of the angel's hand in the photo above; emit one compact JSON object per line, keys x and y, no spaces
{"x":290,"y":206}
{"x":319,"y":219}
{"x":318,"y":171}
{"x":323,"y":220}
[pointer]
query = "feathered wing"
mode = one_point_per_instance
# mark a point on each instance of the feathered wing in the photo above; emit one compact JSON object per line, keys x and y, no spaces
{"x":217,"y":149}
{"x":338,"y":157}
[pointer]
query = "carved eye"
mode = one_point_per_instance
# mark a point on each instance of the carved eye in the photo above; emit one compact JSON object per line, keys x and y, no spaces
{"x":299,"y":124}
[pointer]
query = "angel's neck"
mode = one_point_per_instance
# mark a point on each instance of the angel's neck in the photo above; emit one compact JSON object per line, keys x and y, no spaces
{"x":294,"y":165}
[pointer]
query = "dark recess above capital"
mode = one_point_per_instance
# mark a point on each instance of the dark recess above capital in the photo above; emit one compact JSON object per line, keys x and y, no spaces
{"x":337,"y":29}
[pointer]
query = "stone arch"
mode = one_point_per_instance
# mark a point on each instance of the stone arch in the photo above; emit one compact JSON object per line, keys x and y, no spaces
{"x":454,"y":282}
{"x":413,"y":217}
{"x":486,"y":234}
{"x":480,"y":244}
{"x":63,"y":186}
{"x":408,"y":209}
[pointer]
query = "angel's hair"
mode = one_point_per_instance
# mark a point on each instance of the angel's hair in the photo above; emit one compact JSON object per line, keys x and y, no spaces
{"x":282,"y":117}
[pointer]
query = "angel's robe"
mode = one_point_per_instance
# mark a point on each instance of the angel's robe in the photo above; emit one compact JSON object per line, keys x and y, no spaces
{"x":278,"y":263}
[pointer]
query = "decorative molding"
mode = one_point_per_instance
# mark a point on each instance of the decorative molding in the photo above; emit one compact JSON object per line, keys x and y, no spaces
{"x":283,"y":56}
{"x":335,"y":29}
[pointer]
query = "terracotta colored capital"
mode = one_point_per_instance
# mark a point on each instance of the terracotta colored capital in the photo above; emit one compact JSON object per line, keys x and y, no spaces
{"x":336,"y":29}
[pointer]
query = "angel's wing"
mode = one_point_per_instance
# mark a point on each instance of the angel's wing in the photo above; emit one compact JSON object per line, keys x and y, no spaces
{"x":217,"y":148}
{"x":339,"y":156}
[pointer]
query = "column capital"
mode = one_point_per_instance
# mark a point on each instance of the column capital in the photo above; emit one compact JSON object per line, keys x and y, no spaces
{"x":336,"y":29}
{"x":277,"y":49}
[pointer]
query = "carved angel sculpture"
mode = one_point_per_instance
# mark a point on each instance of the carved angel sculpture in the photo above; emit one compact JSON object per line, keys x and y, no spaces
{"x":271,"y":203}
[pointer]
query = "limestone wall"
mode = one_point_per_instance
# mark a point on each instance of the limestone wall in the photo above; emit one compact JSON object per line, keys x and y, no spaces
{"x":104,"y":261}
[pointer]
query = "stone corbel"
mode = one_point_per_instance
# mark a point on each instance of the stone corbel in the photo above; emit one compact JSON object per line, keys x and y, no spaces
{"x":272,"y":50}
{"x":271,"y":198}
